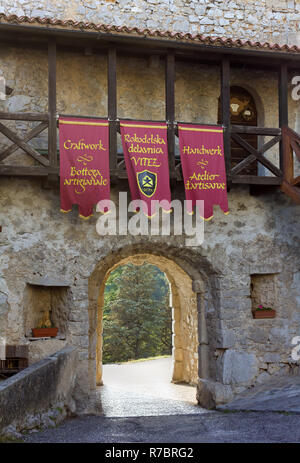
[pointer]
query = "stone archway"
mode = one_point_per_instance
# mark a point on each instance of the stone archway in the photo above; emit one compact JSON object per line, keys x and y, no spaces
{"x":188,"y":288}
{"x":184,"y":308}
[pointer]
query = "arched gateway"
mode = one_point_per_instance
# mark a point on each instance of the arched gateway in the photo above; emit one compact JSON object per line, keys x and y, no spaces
{"x":191,"y":279}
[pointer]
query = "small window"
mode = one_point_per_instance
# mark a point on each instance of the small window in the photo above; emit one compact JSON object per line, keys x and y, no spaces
{"x":242,"y":112}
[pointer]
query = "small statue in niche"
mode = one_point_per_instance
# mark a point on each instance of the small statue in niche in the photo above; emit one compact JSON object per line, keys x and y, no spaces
{"x":45,"y":327}
{"x":45,"y":321}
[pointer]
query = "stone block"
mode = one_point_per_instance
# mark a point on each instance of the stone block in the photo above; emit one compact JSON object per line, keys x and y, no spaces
{"x":279,"y":336}
{"x":177,"y":371}
{"x":229,"y":15}
{"x":252,"y":19}
{"x":273,"y":368}
{"x":40,"y":349}
{"x":239,"y":15}
{"x":18,"y":103}
{"x":266,"y":267}
{"x":4,"y":306}
{"x":223,"y":22}
{"x":263,"y":377}
{"x":198,"y":286}
{"x":206,"y":21}
{"x":211,"y":393}
{"x":177,"y":341}
{"x":270,"y":357}
{"x":237,"y":368}
{"x":178,"y":355}
{"x":258,"y":335}
{"x":200,"y":9}
{"x":22,"y":408}
{"x":225,"y":339}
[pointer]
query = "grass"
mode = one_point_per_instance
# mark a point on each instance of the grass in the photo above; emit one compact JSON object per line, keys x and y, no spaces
{"x":140,"y":360}
{"x":9,"y":440}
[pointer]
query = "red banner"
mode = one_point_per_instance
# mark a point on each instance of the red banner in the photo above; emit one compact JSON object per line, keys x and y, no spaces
{"x":203,"y":166}
{"x":84,"y":163}
{"x":146,"y":157}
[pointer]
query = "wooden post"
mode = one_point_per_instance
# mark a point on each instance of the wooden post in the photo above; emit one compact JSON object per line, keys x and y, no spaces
{"x":287,"y":156}
{"x":283,"y":105}
{"x":225,"y":112}
{"x":52,"y":134}
{"x":170,"y":109}
{"x":112,"y":107}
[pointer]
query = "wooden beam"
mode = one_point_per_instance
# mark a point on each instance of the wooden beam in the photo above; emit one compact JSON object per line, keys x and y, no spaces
{"x":170,"y":109}
{"x":292,"y":191}
{"x":288,"y":157}
{"x":256,"y":180}
{"x":283,"y":104}
{"x":33,"y":133}
{"x":118,"y":174}
{"x":28,"y":171}
{"x":255,"y":130}
{"x":265,"y":162}
{"x":22,"y":144}
{"x":225,"y":111}
{"x":112,"y":106}
{"x":52,"y":133}
{"x":296,"y":147}
{"x":24,"y":116}
{"x":248,"y":160}
{"x":296,"y":181}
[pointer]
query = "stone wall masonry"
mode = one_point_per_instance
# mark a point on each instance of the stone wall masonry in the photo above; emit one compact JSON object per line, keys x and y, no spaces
{"x":266,"y":20}
{"x":40,"y":395}
{"x":260,"y":233}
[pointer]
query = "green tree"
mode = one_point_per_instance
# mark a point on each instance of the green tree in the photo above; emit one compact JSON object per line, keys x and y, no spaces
{"x":137,"y":317}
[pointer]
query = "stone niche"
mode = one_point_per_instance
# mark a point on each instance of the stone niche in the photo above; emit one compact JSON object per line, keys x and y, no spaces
{"x":47,"y":302}
{"x":264,"y":290}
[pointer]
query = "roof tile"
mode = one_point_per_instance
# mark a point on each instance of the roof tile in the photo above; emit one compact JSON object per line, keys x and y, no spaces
{"x":134,"y":31}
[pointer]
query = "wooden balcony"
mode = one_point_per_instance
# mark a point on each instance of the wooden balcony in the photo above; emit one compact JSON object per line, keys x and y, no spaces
{"x":282,"y":175}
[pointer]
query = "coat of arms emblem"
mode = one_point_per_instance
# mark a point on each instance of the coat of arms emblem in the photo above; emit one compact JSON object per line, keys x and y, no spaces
{"x":147,"y":182}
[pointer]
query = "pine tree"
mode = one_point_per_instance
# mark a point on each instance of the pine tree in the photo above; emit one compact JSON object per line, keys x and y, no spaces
{"x":137,"y":317}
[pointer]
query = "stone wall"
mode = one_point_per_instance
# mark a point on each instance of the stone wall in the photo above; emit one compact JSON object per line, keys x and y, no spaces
{"x":40,"y":395}
{"x":267,"y":20}
{"x":260,"y":236}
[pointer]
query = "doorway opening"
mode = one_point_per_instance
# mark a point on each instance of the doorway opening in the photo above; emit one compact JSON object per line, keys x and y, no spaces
{"x":147,"y":329}
{"x":137,"y":314}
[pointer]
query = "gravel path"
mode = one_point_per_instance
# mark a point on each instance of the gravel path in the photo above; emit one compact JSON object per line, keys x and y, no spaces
{"x":145,"y":389}
{"x":209,"y":427}
{"x":139,"y":404}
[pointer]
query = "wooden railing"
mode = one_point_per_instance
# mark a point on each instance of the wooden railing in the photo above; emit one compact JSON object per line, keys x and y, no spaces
{"x":254,"y":155}
{"x":44,"y":166}
{"x":291,"y":146}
